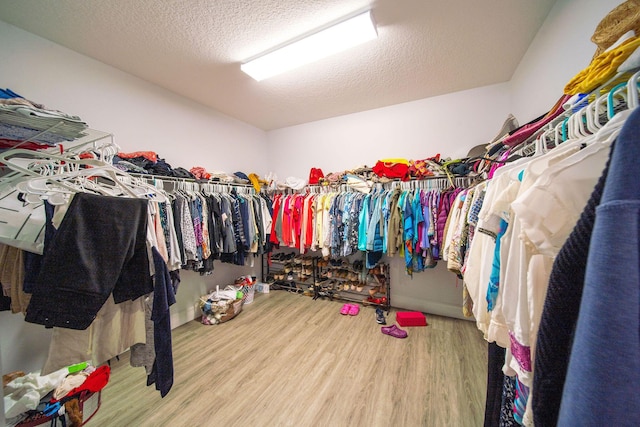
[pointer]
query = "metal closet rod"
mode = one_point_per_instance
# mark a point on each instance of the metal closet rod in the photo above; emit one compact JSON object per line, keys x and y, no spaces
{"x":462,"y":181}
{"x":192,"y":180}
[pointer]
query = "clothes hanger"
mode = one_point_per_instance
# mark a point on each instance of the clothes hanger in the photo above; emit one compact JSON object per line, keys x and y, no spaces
{"x":600,"y":109}
{"x":67,"y":174}
{"x":603,"y":138}
{"x":552,"y":136}
{"x":159,"y":185}
{"x":545,"y":136}
{"x":573,"y":125}
{"x":582,"y":121}
{"x":31,"y":167}
{"x":619,"y":90}
{"x":595,"y":143}
{"x":632,"y":91}
{"x":112,"y":184}
{"x":92,"y":138}
{"x":557,"y":134}
{"x":590,"y":115}
{"x":21,"y":160}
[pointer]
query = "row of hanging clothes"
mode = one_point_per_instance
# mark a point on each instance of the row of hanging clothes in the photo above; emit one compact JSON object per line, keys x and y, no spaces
{"x":532,"y":255}
{"x":396,"y":218}
{"x":192,"y":223}
{"x":211,"y":221}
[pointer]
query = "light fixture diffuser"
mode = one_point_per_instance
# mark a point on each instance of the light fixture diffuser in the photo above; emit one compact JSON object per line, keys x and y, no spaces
{"x":334,"y":39}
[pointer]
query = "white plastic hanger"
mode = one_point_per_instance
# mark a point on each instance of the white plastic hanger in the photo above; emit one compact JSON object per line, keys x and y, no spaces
{"x":576,"y":125}
{"x":50,"y":173}
{"x":591,"y":114}
{"x":632,"y":91}
{"x":618,"y":91}
{"x":84,"y":181}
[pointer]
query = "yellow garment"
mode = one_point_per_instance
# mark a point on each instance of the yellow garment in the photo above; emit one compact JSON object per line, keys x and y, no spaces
{"x":601,"y":69}
{"x":395,"y":161}
{"x":257,"y":182}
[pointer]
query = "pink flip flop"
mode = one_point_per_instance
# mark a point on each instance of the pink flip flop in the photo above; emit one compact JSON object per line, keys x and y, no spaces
{"x":345,"y":309}
{"x":354,"y":310}
{"x":394,"y":331}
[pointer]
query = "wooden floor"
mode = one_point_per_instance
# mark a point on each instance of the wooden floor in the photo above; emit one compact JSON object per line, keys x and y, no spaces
{"x":287,"y":360}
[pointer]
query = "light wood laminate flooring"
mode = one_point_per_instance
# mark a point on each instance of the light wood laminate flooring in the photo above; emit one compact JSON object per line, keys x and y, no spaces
{"x":287,"y":360}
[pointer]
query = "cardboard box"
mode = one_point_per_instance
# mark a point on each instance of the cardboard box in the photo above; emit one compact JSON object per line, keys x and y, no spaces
{"x":411,"y":318}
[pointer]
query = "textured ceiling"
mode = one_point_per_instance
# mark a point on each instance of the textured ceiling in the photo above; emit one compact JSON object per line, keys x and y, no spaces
{"x":195,"y":47}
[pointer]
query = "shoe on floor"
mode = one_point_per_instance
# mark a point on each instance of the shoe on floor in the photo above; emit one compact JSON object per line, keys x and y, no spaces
{"x":380,"y":316}
{"x":354,"y":310}
{"x":394,"y":331}
{"x":345,"y":309}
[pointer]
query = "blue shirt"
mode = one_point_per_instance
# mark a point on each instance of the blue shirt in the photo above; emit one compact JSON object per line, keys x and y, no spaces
{"x":602,"y":381}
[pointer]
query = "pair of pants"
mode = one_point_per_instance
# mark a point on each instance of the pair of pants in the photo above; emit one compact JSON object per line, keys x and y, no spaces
{"x":99,"y":249}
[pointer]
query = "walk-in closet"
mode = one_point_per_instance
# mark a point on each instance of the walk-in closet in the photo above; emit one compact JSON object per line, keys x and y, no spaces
{"x":209,"y":215}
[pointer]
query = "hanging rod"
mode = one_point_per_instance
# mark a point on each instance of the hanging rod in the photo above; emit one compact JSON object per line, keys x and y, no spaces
{"x":441,"y":181}
{"x":193,"y":180}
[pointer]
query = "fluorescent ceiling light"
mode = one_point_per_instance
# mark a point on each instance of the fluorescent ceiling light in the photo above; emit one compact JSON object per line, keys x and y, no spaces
{"x":334,"y":39}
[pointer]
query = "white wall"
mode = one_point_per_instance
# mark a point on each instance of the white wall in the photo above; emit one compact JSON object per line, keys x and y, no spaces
{"x":561,"y":48}
{"x":142,"y":116}
{"x":449,"y":124}
{"x":23,"y":345}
